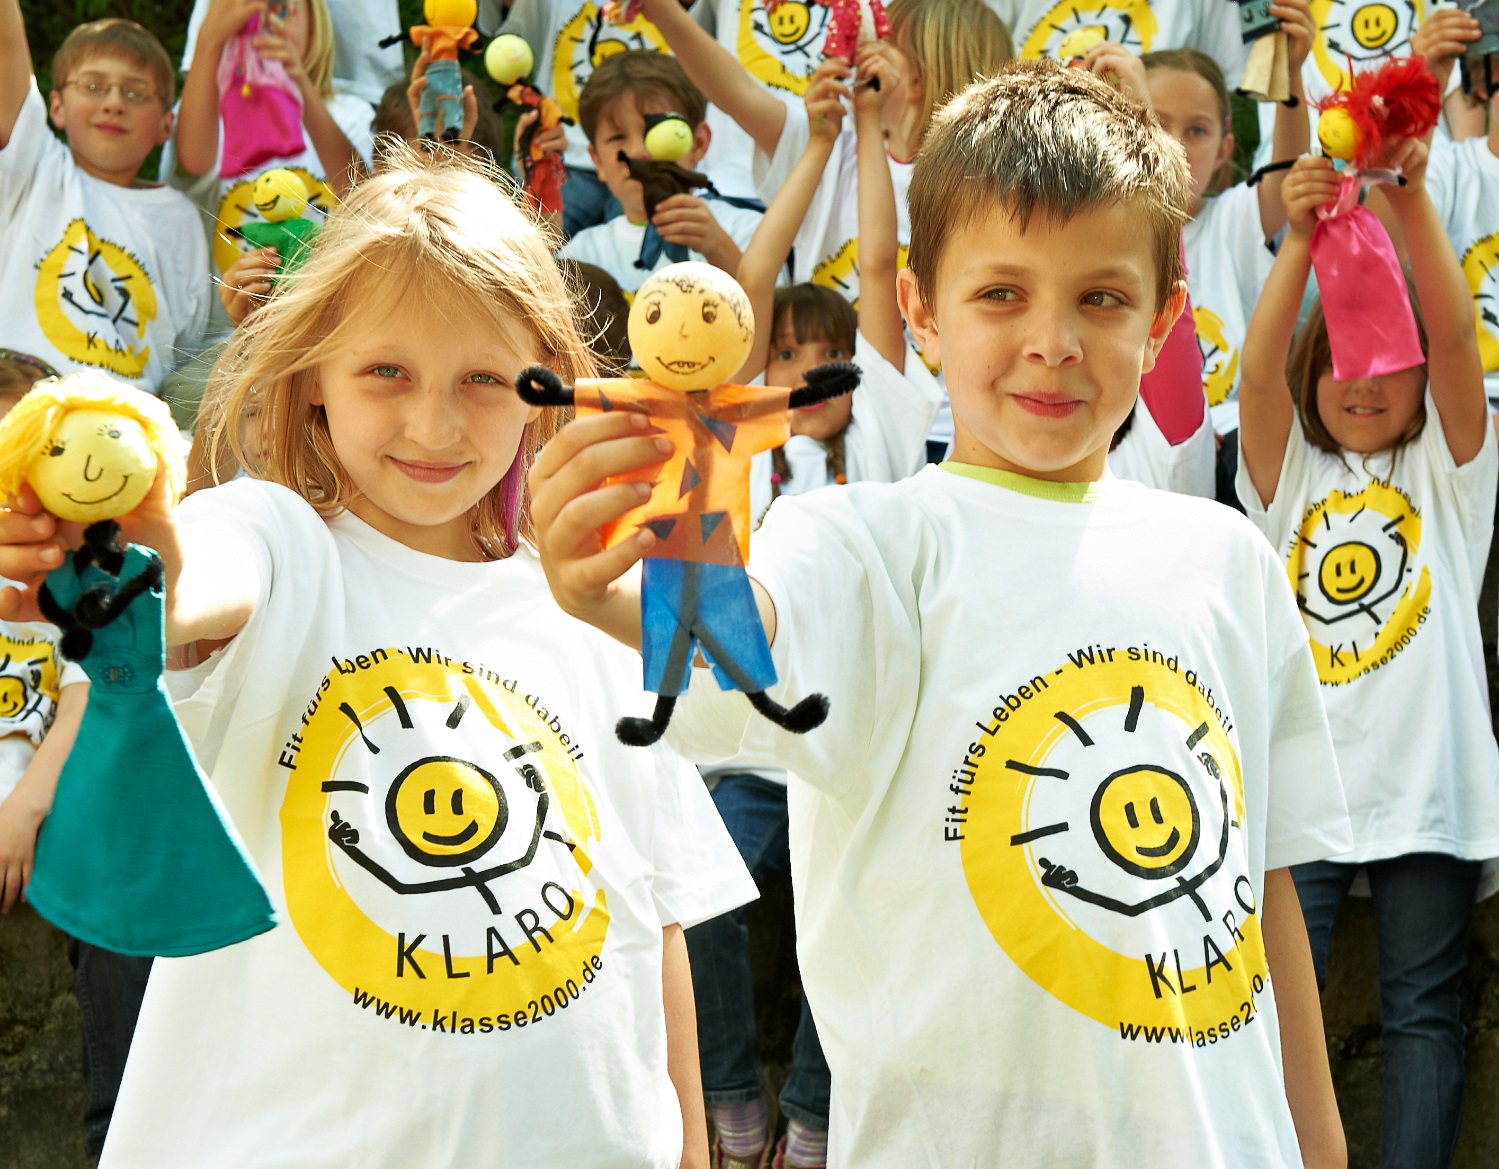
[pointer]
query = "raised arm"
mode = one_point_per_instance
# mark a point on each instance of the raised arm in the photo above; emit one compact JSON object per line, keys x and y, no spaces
{"x":198,"y":111}
{"x":1265,"y":407}
{"x":1443,"y":37}
{"x":879,"y":243}
{"x":714,"y":70}
{"x":760,"y":264}
{"x":341,"y":163}
{"x":1454,"y":368}
{"x":1293,"y":124}
{"x":15,"y":67}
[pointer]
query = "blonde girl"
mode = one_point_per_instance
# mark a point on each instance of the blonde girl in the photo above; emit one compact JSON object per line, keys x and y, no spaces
{"x":1380,"y":493}
{"x":482,"y":894}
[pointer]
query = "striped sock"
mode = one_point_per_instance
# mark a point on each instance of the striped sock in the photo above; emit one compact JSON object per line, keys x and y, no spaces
{"x":806,"y":1147}
{"x":742,"y":1128}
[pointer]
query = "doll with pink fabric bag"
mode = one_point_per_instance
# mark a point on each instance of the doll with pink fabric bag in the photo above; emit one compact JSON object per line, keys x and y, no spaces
{"x":260,"y":104}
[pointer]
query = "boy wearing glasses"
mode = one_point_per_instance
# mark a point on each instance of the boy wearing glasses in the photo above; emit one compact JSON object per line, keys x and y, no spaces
{"x":99,"y":270}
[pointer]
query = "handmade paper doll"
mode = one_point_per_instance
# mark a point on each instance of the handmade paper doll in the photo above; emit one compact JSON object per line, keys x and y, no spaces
{"x":691,"y":328}
{"x":280,"y":197}
{"x":137,"y":854}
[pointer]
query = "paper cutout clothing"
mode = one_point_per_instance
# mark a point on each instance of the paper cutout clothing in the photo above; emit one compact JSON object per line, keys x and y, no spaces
{"x":138,"y":855}
{"x":695,"y":591}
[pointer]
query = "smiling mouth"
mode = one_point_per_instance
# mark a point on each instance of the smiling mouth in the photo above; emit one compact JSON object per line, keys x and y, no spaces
{"x":428,"y":472}
{"x":1352,"y":589}
{"x":461,"y":838}
{"x":687,"y":366}
{"x":1161,"y":849}
{"x":101,"y":499}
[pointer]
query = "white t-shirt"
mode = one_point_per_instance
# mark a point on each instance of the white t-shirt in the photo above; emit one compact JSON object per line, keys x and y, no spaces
{"x":1145,"y":455}
{"x":360,"y":66}
{"x":1042,"y":28}
{"x":226,"y":205}
{"x":33,"y":673}
{"x":1387,"y":571}
{"x":569,"y":40}
{"x":1228,"y":263}
{"x":472,"y":875}
{"x":615,"y":245}
{"x":1006,"y":951}
{"x":885,"y":439}
{"x":1463,"y":181}
{"x":95,"y":276}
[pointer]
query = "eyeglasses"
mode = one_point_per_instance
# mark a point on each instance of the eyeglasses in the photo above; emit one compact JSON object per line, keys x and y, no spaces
{"x":96,"y":87}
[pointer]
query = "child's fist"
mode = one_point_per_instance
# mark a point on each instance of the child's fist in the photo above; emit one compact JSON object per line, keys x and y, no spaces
{"x":247,"y":283}
{"x":1114,"y":63}
{"x":1444,"y":37}
{"x":686,"y":220}
{"x":827,"y":89}
{"x":1297,"y":23}
{"x":1312,"y":183}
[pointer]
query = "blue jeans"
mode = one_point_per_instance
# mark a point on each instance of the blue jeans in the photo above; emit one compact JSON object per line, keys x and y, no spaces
{"x":754,"y":810}
{"x":1423,"y":906}
{"x":109,"y":987}
{"x":586,"y":202}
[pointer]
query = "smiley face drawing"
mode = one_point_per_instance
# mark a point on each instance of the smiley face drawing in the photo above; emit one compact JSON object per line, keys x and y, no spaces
{"x":1481,"y":268}
{"x":1104,"y":823}
{"x":238,"y":207}
{"x":782,"y":49}
{"x":1072,"y":27}
{"x":28,"y":680}
{"x":95,"y":302}
{"x":96,"y":465}
{"x":585,"y":41}
{"x":1354,"y":564}
{"x":1220,"y":359}
{"x":1360,"y":32}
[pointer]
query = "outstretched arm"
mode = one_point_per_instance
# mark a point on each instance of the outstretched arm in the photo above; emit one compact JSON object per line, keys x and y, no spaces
{"x":724,"y":81}
{"x":536,"y":385}
{"x":22,"y":812}
{"x":1266,"y":411}
{"x":832,"y":380}
{"x":760,"y":264}
{"x":1454,"y":368}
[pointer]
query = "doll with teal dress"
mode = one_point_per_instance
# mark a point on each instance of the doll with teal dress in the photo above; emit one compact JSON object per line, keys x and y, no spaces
{"x":137,"y":854}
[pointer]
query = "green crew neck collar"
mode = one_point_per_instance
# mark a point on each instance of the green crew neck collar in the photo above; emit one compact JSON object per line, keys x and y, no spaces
{"x":1024,"y":484}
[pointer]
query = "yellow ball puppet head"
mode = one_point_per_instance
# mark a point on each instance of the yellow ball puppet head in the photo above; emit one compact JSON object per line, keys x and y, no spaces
{"x":668,"y":137}
{"x":508,"y":59}
{"x":451,"y":13}
{"x":1338,"y":134}
{"x":89,"y":446}
{"x":691,"y":327}
{"x":279,"y":195}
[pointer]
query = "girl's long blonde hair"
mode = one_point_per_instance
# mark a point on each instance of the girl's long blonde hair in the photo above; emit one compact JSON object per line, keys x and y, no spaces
{"x":317,"y":62}
{"x":27,"y":430}
{"x":438,"y":228}
{"x":950,"y":43}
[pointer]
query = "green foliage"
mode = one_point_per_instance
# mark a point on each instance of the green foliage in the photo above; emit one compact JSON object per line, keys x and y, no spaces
{"x":49,"y":21}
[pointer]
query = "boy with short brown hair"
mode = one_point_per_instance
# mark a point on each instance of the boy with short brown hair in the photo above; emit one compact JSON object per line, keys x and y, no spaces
{"x":99,"y":270}
{"x":616,"y":109}
{"x":1041,"y":843}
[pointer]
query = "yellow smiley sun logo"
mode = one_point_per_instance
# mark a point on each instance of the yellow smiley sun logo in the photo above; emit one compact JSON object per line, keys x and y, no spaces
{"x":782,"y":49}
{"x":94,"y":301}
{"x":1363,"y":31}
{"x":1103,"y":843}
{"x":1220,"y":360}
{"x":586,"y":41}
{"x":237,"y":209}
{"x":1353,"y":564}
{"x":1481,"y":268}
{"x":1072,"y":27}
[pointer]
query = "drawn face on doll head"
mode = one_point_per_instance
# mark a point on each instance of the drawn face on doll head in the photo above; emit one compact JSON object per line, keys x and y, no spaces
{"x":691,"y":327}
{"x":96,"y":465}
{"x":279,"y":195}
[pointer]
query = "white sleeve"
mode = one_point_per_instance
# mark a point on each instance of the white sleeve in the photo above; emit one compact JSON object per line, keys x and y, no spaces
{"x":72,"y":674}
{"x":846,"y":628}
{"x":699,"y":873}
{"x":705,"y":12}
{"x":1472,"y":485}
{"x":1307,"y":816}
{"x":892,"y":414}
{"x":1442,"y":178}
{"x":1284,"y":511}
{"x":356,"y":118}
{"x":1218,"y":36}
{"x":526,"y":19}
{"x":200,"y":293}
{"x":739,"y":222}
{"x":31,"y":162}
{"x":770,"y":171}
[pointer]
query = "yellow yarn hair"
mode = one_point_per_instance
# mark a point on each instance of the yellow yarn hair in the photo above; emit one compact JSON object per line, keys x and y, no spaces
{"x":27,"y":429}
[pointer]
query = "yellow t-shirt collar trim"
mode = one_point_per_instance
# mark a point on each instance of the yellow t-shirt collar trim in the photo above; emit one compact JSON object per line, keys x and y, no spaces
{"x":1039,"y":488}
